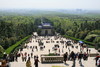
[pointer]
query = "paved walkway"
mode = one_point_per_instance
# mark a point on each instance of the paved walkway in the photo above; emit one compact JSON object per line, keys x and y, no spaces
{"x":62,"y":49}
{"x":89,"y":63}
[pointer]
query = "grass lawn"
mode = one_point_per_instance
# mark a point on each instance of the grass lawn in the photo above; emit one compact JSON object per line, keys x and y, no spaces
{"x":11,"y":48}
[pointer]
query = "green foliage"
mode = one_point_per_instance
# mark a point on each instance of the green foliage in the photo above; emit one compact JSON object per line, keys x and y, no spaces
{"x":94,"y":32}
{"x":1,"y":51}
{"x":14,"y":28}
{"x":90,"y":44}
{"x":77,"y":27}
{"x":90,"y":37}
{"x":69,"y":33}
{"x":52,"y":54}
{"x":11,"y":48}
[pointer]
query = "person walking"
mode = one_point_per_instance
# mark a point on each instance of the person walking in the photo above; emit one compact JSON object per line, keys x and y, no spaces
{"x":72,"y":55}
{"x":31,"y":55}
{"x":49,"y":50}
{"x":80,"y":58}
{"x":16,"y":56}
{"x":28,"y":63}
{"x":73,"y":58}
{"x":36,"y":62}
{"x":65,"y":57}
{"x":96,"y":59}
{"x":85,"y":56}
{"x":98,"y":62}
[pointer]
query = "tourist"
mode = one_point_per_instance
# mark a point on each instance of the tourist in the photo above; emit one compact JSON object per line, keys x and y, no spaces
{"x":72,"y":46}
{"x":59,"y":51}
{"x":44,"y":46}
{"x":28,"y":55}
{"x":36,"y":61}
{"x":77,"y":54}
{"x":8,"y":57}
{"x":49,"y":50}
{"x":98,"y":62}
{"x":73,"y":56}
{"x":25,"y":56}
{"x":85,"y":56}
{"x":4,"y":55}
{"x":12,"y":57}
{"x":69,"y":50}
{"x":32,"y":50}
{"x":65,"y":57}
{"x":35,"y":47}
{"x":63,"y":46}
{"x":97,"y":57}
{"x":22,"y":56}
{"x":66,"y":46}
{"x":31,"y":55}
{"x":89,"y":50}
{"x":8,"y":64}
{"x":28,"y":63}
{"x":16,"y":56}
{"x":34,"y":57}
{"x":80,"y":58}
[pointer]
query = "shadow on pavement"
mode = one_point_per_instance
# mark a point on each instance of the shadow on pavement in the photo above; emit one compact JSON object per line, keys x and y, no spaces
{"x":66,"y":64}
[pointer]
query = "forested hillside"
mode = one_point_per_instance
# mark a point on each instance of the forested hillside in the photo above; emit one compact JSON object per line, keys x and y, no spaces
{"x":85,"y":28}
{"x":15,"y":27}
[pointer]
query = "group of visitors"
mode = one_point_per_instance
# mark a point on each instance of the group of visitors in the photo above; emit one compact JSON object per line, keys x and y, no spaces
{"x":29,"y":64}
{"x":11,"y":57}
{"x":73,"y":56}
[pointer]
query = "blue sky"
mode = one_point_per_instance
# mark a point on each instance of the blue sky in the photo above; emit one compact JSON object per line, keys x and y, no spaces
{"x":51,"y":4}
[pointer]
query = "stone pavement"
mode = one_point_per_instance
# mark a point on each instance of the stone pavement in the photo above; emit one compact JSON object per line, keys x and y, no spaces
{"x":89,"y":63}
{"x":62,"y":49}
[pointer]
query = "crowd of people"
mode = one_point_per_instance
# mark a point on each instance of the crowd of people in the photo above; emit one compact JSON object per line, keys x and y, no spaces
{"x":75,"y":56}
{"x":68,"y":56}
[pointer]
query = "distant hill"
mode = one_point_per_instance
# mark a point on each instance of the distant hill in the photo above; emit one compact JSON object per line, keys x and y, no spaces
{"x":80,"y":12}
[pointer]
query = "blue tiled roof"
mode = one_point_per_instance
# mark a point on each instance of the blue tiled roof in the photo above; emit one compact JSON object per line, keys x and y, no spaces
{"x":46,"y":24}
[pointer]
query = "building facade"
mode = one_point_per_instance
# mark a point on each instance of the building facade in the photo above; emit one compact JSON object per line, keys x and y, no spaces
{"x":46,"y":29}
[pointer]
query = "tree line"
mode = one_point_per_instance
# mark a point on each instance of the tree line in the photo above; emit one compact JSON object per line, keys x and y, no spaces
{"x":14,"y":28}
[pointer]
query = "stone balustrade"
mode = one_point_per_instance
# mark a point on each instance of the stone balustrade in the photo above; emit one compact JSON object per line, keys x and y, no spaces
{"x":93,"y":54}
{"x":52,"y":59}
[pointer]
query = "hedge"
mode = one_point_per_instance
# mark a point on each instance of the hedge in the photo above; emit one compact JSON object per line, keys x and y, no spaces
{"x":11,"y":48}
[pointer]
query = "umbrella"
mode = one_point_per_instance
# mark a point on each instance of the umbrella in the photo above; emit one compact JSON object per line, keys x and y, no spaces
{"x":81,"y":42}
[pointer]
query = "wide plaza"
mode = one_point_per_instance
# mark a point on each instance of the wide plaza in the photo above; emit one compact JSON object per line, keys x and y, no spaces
{"x":48,"y":46}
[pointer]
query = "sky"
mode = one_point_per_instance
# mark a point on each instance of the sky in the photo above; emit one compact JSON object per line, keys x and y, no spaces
{"x":51,"y":4}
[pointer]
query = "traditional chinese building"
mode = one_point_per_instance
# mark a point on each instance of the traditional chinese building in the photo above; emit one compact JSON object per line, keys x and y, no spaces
{"x":46,"y":29}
